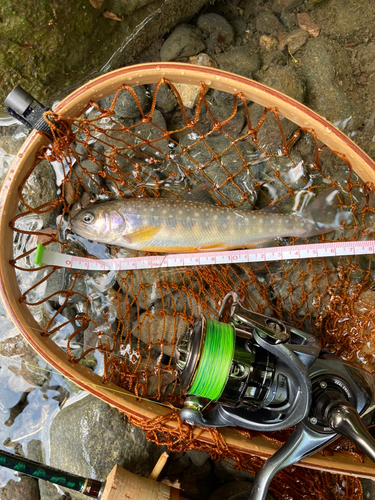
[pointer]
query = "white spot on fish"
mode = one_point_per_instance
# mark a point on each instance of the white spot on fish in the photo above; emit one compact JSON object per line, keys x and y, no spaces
{"x":215,"y":217}
{"x":196,"y":214}
{"x":164,"y":211}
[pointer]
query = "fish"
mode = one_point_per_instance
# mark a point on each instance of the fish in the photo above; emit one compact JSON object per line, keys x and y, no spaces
{"x":166,"y":225}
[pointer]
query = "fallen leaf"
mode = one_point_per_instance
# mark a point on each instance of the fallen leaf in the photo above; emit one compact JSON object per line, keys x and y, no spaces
{"x":111,"y":15}
{"x":307,"y":24}
{"x":96,"y":3}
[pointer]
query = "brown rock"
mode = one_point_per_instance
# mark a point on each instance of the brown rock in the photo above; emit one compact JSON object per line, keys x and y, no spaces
{"x":306,"y":23}
{"x":294,"y":40}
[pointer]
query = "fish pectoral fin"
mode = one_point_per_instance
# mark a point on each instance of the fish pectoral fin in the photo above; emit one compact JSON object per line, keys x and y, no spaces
{"x":216,"y":246}
{"x":142,"y":236}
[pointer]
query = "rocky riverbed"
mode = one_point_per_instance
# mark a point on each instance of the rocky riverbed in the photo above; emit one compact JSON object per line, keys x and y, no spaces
{"x":321,"y":53}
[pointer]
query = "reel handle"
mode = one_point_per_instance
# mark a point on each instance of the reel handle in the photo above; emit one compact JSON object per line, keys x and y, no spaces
{"x":344,"y":420}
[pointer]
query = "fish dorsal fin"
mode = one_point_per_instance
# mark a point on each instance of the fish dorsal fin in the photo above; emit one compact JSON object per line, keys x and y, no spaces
{"x":141,"y":236}
{"x":201,"y":194}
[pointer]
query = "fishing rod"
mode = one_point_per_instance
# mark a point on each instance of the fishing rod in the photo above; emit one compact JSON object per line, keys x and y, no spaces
{"x":89,"y":487}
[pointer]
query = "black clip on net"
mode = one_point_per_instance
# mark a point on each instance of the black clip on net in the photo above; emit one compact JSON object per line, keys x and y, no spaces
{"x":27,"y":110}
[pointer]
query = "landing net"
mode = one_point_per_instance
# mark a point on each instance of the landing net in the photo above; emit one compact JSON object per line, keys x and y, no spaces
{"x":143,"y":142}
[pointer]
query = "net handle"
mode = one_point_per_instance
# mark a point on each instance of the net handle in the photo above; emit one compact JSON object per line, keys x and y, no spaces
{"x":71,"y":107}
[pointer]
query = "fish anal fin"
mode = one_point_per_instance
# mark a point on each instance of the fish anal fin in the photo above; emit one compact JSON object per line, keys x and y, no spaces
{"x":141,"y":236}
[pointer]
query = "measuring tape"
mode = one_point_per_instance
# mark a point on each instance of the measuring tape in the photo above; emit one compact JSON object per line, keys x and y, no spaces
{"x":45,"y":257}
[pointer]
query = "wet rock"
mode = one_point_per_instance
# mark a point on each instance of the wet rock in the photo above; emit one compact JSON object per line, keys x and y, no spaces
{"x":49,"y":491}
{"x":184,"y":41}
{"x":87,"y":174}
{"x":294,"y":40}
{"x":223,"y":112}
{"x":242,"y":60}
{"x":306,"y":289}
{"x":199,"y":458}
{"x":274,"y":58}
{"x":195,"y":473}
{"x":85,"y":41}
{"x":216,"y":29}
{"x":284,"y":79}
{"x":324,"y":96}
{"x":238,"y":490}
{"x":199,"y":161}
{"x":126,"y":105}
{"x":166,"y":99}
{"x":225,"y":471}
{"x":89,"y":437}
{"x":158,"y":329}
{"x":268,"y":23}
{"x":27,"y":487}
{"x":148,"y":137}
{"x":11,"y":139}
{"x":146,"y":286}
{"x":34,"y":196}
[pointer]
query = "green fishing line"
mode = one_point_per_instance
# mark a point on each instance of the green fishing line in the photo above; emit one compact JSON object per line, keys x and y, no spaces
{"x":215,"y":362}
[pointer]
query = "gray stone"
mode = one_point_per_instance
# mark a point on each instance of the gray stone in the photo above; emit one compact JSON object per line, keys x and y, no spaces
{"x":161,"y":331}
{"x":126,"y":105}
{"x":285,"y":80}
{"x":26,"y":488}
{"x":166,"y":99}
{"x":240,"y":60}
{"x":234,"y":126}
{"x":323,"y":95}
{"x":89,"y":437}
{"x":184,"y":41}
{"x":49,"y":491}
{"x":199,"y":458}
{"x":236,"y":162}
{"x":87,"y":175}
{"x":225,"y":471}
{"x":268,"y":23}
{"x":289,"y":19}
{"x":41,"y":188}
{"x":216,"y":27}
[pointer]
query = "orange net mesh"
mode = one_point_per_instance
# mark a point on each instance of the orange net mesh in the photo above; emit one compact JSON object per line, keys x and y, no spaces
{"x":125,"y":324}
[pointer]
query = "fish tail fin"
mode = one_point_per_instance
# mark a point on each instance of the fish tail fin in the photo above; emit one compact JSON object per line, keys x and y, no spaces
{"x":323,"y":214}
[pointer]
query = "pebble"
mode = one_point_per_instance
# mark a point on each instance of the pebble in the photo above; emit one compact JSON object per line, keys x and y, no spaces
{"x":268,"y":43}
{"x":242,"y":61}
{"x":268,"y":23}
{"x":166,"y":99}
{"x":26,"y":488}
{"x":216,"y":25}
{"x":126,"y":106}
{"x":294,"y":40}
{"x":306,"y":23}
{"x":190,"y":93}
{"x":288,"y":19}
{"x":184,"y":41}
{"x":323,"y":95}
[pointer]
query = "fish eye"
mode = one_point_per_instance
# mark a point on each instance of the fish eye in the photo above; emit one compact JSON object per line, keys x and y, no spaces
{"x":88,"y":217}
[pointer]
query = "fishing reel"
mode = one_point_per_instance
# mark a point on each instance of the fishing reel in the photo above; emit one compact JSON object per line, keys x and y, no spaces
{"x":263,"y":374}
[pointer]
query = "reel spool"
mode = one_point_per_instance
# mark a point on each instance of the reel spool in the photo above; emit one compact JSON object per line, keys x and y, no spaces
{"x":261,"y":370}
